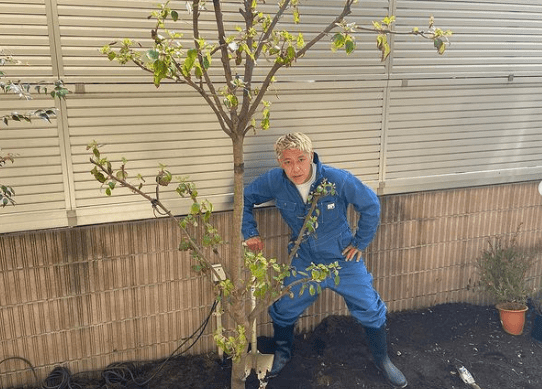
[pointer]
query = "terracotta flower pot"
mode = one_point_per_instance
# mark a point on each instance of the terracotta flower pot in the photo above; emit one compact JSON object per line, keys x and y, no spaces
{"x":512,"y":317}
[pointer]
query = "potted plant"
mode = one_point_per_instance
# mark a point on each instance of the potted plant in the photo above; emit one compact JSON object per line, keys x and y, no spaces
{"x":503,"y":268}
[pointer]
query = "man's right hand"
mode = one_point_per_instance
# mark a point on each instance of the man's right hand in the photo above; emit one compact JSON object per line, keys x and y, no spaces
{"x":255,"y":244}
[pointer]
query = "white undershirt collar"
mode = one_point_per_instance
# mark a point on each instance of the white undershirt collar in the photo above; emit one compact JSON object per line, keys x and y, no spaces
{"x":305,"y":188}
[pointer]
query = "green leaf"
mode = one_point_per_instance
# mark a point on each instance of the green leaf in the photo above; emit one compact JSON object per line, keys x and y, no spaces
{"x":231,"y":101}
{"x":265,"y":124}
{"x":174,"y":15}
{"x":198,"y":72}
{"x":350,"y":45}
{"x":383,"y":46}
{"x":300,"y":41}
{"x":153,"y":54}
{"x":290,"y":54}
{"x":338,"y":40}
{"x":195,"y":208}
{"x":388,"y":20}
{"x":439,"y":44}
{"x":296,"y":17}
{"x":207,"y":61}
{"x":160,"y":71}
{"x":100,"y":177}
{"x":189,"y":61}
{"x":247,"y":50}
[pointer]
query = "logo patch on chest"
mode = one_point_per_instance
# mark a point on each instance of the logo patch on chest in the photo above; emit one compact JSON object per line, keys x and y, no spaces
{"x":331,"y":206}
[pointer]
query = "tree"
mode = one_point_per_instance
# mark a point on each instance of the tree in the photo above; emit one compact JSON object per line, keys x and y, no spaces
{"x":23,"y":91}
{"x":234,"y":100}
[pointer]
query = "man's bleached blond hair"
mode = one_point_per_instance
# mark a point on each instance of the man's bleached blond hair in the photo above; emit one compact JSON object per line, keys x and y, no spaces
{"x":296,"y":140}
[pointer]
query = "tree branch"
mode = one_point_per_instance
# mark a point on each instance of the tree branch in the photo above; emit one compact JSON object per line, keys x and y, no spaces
{"x":249,"y":64}
{"x":259,"y":97}
{"x":276,"y":66}
{"x":347,"y":10}
{"x":223,"y":117}
{"x":225,"y":58}
{"x":301,"y":234}
{"x":222,"y":43}
{"x":265,"y":36}
{"x":158,"y":204}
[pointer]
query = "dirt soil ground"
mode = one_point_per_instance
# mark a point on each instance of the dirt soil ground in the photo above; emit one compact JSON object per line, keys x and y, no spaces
{"x":428,"y":345}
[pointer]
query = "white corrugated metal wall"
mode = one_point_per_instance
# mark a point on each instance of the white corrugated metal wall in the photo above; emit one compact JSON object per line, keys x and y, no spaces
{"x":417,"y":121}
{"x":39,"y":174}
{"x":473,"y":116}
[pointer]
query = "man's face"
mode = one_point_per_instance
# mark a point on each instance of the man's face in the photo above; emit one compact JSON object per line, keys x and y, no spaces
{"x":297,"y":165}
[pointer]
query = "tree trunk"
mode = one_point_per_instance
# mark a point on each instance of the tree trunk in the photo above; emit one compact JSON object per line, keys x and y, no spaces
{"x":236,"y":236}
{"x":238,"y":374}
{"x":236,"y":254}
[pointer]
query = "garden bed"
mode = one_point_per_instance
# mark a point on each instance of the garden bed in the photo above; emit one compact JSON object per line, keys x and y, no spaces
{"x":428,"y":345}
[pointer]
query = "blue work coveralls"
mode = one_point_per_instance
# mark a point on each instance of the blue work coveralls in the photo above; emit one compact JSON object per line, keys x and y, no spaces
{"x":332,"y":236}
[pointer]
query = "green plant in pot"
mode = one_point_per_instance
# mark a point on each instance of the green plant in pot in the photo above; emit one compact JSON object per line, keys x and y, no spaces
{"x":503,"y":268}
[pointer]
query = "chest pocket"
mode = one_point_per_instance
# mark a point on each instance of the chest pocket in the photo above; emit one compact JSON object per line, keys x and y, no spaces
{"x":331,"y":212}
{"x":291,"y":213}
{"x":288,"y":206}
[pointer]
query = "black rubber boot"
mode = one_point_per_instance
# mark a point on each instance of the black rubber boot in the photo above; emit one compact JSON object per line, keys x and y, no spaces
{"x":378,"y":345}
{"x":284,"y":339}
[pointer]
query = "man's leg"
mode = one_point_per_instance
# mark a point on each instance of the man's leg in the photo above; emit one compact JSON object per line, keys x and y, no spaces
{"x":284,"y":340}
{"x":366,"y":306}
{"x":378,"y":345}
{"x":284,"y":314}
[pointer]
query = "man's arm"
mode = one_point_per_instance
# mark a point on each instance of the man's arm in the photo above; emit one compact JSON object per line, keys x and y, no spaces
{"x":367,"y":205}
{"x":258,"y":192}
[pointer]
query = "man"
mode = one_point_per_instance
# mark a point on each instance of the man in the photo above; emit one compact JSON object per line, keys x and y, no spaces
{"x":299,"y":173}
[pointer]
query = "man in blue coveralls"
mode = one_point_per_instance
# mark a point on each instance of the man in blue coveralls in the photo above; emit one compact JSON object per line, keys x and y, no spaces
{"x":299,"y":173}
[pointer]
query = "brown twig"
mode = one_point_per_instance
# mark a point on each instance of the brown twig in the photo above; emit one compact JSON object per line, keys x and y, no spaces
{"x":156,"y":203}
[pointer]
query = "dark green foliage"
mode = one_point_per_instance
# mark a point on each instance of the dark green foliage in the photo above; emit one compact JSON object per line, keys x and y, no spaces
{"x":503,"y":269}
